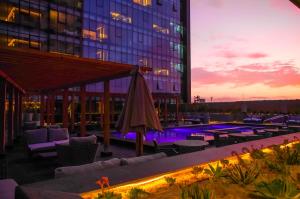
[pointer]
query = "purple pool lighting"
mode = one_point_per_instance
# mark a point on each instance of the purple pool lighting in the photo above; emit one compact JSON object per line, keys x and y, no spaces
{"x":170,"y":135}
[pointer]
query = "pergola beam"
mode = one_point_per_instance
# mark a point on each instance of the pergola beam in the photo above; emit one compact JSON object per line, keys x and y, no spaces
{"x":106,"y":125}
{"x":83,"y":111}
{"x":10,"y":116}
{"x":42,"y":109}
{"x":65,"y":108}
{"x":3,"y":88}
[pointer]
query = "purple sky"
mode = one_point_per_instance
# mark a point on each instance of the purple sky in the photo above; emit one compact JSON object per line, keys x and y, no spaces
{"x":245,"y":49}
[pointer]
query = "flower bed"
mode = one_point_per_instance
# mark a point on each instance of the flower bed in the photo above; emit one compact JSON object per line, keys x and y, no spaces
{"x":258,"y":173}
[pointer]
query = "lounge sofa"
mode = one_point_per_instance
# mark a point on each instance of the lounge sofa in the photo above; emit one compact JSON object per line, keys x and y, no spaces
{"x":45,"y":139}
{"x":101,"y":165}
{"x":79,"y":150}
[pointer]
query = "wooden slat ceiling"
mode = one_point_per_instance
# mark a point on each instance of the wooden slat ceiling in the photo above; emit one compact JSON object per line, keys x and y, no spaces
{"x":37,"y":71}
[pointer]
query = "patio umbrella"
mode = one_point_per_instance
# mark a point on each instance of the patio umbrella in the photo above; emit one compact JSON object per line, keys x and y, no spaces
{"x":139,"y":113}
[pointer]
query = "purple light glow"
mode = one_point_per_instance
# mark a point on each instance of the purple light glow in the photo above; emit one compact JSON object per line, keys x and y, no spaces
{"x":174,"y":134}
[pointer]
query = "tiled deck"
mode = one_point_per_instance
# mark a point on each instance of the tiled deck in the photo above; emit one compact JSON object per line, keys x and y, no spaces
{"x":84,"y":183}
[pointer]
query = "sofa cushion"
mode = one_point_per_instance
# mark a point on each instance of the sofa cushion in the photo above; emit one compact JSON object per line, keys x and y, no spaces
{"x":77,"y":170}
{"x":56,"y":134}
{"x":41,"y":146}
{"x":145,"y":158}
{"x":62,"y":142}
{"x":80,"y":140}
{"x":86,"y":168}
{"x":7,"y":188}
{"x":36,"y":136}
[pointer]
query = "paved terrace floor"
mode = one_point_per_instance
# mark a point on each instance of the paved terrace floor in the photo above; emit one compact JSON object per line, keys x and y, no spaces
{"x":86,"y":182}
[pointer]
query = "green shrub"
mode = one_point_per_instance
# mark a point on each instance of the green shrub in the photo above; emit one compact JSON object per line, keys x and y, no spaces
{"x":108,"y":195}
{"x":194,"y":191}
{"x":136,"y":193}
{"x":241,"y":175}
{"x":171,"y":181}
{"x":277,"y":189}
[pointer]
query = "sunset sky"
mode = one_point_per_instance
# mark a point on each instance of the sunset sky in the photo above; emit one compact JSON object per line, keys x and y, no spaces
{"x":245,"y":49}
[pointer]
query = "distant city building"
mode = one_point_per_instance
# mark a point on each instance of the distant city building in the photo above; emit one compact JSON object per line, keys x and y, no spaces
{"x":151,"y":33}
{"x":198,"y":100}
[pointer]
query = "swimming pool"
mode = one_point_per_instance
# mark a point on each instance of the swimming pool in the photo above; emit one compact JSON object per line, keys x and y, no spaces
{"x":180,"y":133}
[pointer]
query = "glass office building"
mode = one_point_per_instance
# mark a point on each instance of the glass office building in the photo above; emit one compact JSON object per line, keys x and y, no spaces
{"x":152,"y":33}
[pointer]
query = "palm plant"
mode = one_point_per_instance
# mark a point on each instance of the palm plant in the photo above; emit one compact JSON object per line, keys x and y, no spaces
{"x":278,"y":167}
{"x":277,"y":189}
{"x":137,"y":193}
{"x":197,"y":170}
{"x":171,"y":181}
{"x":194,"y":191}
{"x":108,"y":195}
{"x":241,"y":175}
{"x":257,"y":154}
{"x":215,"y":172}
{"x":286,"y":155}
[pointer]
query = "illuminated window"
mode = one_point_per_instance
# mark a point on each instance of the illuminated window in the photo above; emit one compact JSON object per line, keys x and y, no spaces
{"x":11,"y":15}
{"x":160,"y":29}
{"x":23,"y":42}
{"x":143,"y":2}
{"x":164,"y":72}
{"x":89,"y":34}
{"x":101,"y":35}
{"x":118,"y":17}
{"x":102,"y":55}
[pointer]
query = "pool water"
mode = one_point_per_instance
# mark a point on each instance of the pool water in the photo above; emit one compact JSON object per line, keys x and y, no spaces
{"x":180,"y":133}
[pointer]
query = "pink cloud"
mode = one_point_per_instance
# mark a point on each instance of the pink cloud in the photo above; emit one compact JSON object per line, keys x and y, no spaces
{"x":257,"y":55}
{"x":229,"y":54}
{"x":283,"y":75}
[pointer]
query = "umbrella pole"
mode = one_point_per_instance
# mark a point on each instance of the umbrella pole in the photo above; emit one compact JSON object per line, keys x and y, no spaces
{"x":139,"y":143}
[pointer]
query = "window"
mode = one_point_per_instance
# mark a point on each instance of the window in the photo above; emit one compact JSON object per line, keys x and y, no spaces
{"x":89,"y":34}
{"x":101,"y":34}
{"x":174,"y":6}
{"x":159,"y":2}
{"x":160,"y":29}
{"x":143,"y":2}
{"x":119,"y":17}
{"x":161,"y":71}
{"x":102,"y":55}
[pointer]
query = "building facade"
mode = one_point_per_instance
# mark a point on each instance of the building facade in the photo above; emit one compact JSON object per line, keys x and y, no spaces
{"x":152,"y":33}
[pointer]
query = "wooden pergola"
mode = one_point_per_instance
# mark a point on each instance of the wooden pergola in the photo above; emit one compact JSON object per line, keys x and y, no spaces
{"x":39,"y":73}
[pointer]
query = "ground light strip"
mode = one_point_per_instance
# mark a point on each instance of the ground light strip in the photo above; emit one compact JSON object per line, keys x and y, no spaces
{"x":150,"y":184}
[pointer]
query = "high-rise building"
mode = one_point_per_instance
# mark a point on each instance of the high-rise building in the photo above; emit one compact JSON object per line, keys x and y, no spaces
{"x":152,"y":33}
